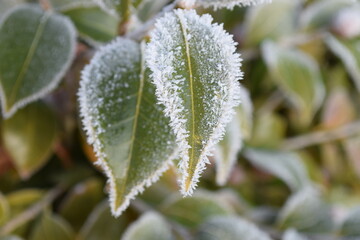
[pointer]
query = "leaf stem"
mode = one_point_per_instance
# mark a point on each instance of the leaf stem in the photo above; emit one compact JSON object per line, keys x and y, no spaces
{"x":321,"y":137}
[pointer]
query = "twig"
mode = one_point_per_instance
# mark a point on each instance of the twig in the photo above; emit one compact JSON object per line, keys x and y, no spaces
{"x":321,"y":137}
{"x":31,"y":212}
{"x":141,"y":31}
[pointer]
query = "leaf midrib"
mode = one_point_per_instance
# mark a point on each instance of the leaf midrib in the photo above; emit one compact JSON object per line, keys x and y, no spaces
{"x":191,"y":159}
{"x":29,"y":56}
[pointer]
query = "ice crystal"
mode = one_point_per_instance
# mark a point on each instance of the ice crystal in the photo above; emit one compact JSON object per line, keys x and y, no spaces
{"x":230,"y":4}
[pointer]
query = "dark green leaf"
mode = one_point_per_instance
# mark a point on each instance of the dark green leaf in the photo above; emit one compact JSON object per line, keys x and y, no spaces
{"x":350,"y":226}
{"x":4,"y":209}
{"x":36,"y":48}
{"x":33,"y":128}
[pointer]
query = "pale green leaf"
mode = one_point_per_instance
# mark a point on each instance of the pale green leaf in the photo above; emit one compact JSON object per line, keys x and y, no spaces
{"x":193,"y":211}
{"x":65,"y":5}
{"x":151,"y":226}
{"x":321,"y":13}
{"x":230,"y":228}
{"x":52,"y":227}
{"x":270,"y":21}
{"x":29,"y":137}
{"x":149,"y":8}
{"x":306,"y":212}
{"x":285,"y":165}
{"x":120,"y":8}
{"x":102,"y":225}
{"x":5,"y":5}
{"x":129,"y":132}
{"x":350,"y":226}
{"x":36,"y":48}
{"x":92,"y":23}
{"x":349,"y":53}
{"x":292,"y":234}
{"x":299,"y":76}
{"x":4,"y":209}
{"x":196,"y":72}
{"x":230,"y":4}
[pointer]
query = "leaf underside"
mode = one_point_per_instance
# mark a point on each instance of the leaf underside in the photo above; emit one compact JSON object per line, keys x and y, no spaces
{"x":36,"y":48}
{"x":130,"y":134}
{"x":196,"y":75}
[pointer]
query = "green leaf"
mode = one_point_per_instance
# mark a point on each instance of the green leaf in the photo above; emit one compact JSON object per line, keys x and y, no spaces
{"x":230,"y":4}
{"x":11,"y":237}
{"x":128,"y":130}
{"x":196,"y":72}
{"x":4,"y":209}
{"x":36,"y":48}
{"x":292,"y":234}
{"x":298,"y":75}
{"x":349,"y":53}
{"x":52,"y":227}
{"x":101,"y":225}
{"x":285,"y":165}
{"x":350,"y":226}
{"x":306,"y":212}
{"x":149,"y":8}
{"x":5,"y":5}
{"x":65,"y":5}
{"x":321,"y":13}
{"x":151,"y":226}
{"x":34,"y":128}
{"x":120,"y":8}
{"x":92,"y":23}
{"x":270,"y":21}
{"x":193,"y":211}
{"x":230,"y":228}
{"x":80,"y":201}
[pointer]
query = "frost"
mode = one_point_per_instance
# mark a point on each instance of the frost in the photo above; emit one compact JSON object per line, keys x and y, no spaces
{"x":230,"y":4}
{"x":196,"y":79}
{"x":129,"y":133}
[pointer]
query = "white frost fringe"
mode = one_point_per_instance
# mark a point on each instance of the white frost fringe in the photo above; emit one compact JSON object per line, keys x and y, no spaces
{"x":91,"y":132}
{"x":160,"y":63}
{"x":230,"y":4}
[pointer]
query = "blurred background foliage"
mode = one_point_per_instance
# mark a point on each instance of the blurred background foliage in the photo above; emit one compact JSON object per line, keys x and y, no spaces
{"x":297,"y":176}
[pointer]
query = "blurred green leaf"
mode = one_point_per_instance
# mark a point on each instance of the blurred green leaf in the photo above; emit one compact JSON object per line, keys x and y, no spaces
{"x":119,"y":8}
{"x":351,"y":225}
{"x":193,"y":211}
{"x":151,"y":226}
{"x":6,"y":5}
{"x":292,"y":234}
{"x":129,"y":132}
{"x":36,"y":48}
{"x":349,"y":53}
{"x":81,"y":200}
{"x":298,"y":75}
{"x":29,"y":137}
{"x":320,"y":14}
{"x":65,"y":5}
{"x":352,"y":150}
{"x":11,"y":237}
{"x":148,"y":8}
{"x":287,"y":166}
{"x":52,"y":227}
{"x":230,"y":228}
{"x":92,"y":23}
{"x":270,"y":21}
{"x":306,"y":212}
{"x":4,"y":209}
{"x":102,"y":225}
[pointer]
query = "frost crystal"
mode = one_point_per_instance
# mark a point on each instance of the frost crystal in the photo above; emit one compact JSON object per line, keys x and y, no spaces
{"x":196,"y":72}
{"x":230,"y":4}
{"x":131,"y":137}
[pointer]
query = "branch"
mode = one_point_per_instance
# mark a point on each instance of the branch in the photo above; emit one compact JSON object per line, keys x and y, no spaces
{"x":321,"y":137}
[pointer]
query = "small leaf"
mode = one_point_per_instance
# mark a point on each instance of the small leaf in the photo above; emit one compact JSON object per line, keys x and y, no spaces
{"x":196,"y":73}
{"x":92,"y":23}
{"x":101,"y":225}
{"x":45,"y":46}
{"x":230,"y":228}
{"x":4,"y":209}
{"x":270,"y":21}
{"x":151,"y":226}
{"x":51,"y":227}
{"x":129,"y":132}
{"x":349,"y":53}
{"x":298,"y":75}
{"x":350,"y":226}
{"x":306,"y":212}
{"x":321,"y":13}
{"x":34,"y":128}
{"x":230,"y":4}
{"x":292,"y":234}
{"x":285,"y":165}
{"x":193,"y":211}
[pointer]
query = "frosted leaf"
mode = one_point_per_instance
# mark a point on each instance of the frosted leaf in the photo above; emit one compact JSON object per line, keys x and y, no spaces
{"x":292,"y":234}
{"x":151,"y":226}
{"x":230,"y":4}
{"x":230,"y":228}
{"x":130,"y":134}
{"x":196,"y":72}
{"x":36,"y":48}
{"x":237,"y":130}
